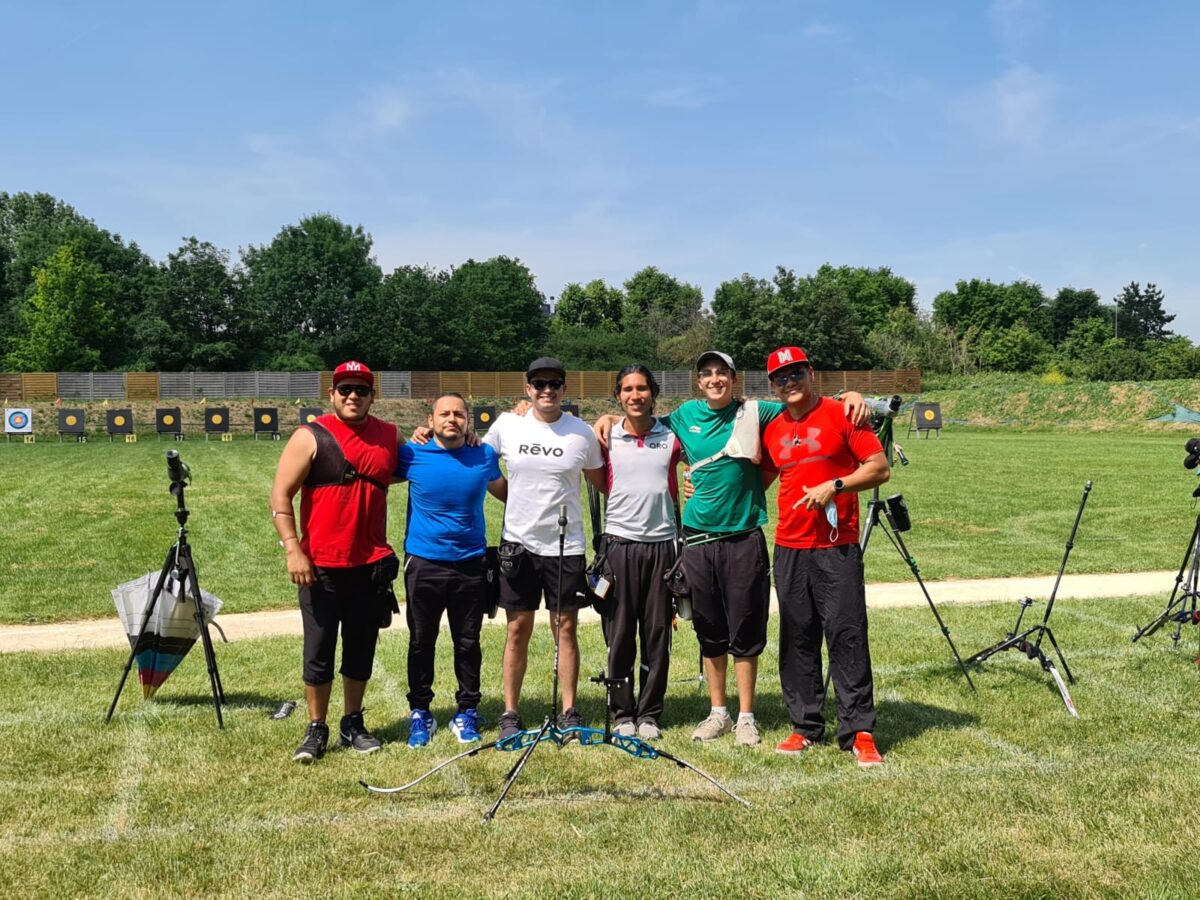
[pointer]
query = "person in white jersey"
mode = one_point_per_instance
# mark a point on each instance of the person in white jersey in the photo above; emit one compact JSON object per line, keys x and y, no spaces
{"x":640,"y":547}
{"x":544,"y":451}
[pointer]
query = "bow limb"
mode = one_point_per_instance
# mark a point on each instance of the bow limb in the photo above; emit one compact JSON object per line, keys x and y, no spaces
{"x":437,"y":768}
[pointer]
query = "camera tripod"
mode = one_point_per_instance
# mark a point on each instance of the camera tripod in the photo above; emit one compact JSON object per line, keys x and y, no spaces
{"x":1019,"y":640}
{"x":892,"y":523}
{"x":182,"y":571}
{"x":529,"y":740}
{"x":1181,"y":607}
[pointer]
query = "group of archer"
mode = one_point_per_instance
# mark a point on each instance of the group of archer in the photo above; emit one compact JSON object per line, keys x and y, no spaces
{"x":821,"y":451}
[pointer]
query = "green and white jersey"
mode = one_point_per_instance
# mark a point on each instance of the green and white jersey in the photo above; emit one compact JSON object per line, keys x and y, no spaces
{"x":729,"y":493}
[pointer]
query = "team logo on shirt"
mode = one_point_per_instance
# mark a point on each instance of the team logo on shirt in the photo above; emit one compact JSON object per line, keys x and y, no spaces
{"x":538,"y":450}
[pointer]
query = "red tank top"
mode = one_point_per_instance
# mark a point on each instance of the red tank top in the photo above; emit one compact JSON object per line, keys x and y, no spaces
{"x":346,"y":525}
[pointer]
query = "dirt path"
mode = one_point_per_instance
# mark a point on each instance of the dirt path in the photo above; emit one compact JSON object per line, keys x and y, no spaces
{"x":239,"y":626}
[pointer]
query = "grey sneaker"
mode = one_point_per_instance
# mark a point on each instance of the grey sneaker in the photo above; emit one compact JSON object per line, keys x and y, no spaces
{"x":713,"y":727}
{"x":510,"y":723}
{"x":570,"y":718}
{"x":745,"y":733}
{"x":353,"y":734}
{"x":625,"y":729}
{"x":648,"y":730}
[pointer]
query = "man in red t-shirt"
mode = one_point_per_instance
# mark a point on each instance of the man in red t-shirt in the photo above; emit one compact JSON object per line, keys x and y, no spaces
{"x":822,"y":462}
{"x":343,"y":564}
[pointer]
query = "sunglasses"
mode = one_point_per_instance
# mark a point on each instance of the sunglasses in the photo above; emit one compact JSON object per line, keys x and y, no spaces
{"x":554,"y":384}
{"x":785,"y":378}
{"x":360,"y":390}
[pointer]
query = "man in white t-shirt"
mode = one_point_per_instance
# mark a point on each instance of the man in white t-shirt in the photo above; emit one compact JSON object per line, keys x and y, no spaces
{"x":544,"y":452}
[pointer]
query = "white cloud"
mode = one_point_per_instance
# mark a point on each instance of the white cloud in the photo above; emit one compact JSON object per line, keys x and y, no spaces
{"x":1016,"y":23}
{"x":388,"y":110}
{"x":1024,"y":105}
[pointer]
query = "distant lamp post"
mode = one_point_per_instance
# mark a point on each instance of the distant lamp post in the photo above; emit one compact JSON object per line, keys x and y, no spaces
{"x":1116,"y":307}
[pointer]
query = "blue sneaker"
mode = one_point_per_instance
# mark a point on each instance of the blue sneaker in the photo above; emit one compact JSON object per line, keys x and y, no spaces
{"x":465,"y":727}
{"x":421,"y":728}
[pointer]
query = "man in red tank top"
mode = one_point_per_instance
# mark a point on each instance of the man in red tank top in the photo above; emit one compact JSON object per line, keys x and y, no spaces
{"x":340,"y":559}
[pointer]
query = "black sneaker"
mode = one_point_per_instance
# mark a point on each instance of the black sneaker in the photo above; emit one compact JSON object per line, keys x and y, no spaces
{"x":510,"y":723}
{"x":354,"y":734}
{"x":570,"y":718}
{"x":314,"y":744}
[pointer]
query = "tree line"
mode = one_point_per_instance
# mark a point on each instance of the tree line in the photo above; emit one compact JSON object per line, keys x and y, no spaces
{"x":75,"y":297}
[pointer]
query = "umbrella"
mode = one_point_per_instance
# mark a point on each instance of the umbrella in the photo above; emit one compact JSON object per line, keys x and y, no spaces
{"x":172,"y":628}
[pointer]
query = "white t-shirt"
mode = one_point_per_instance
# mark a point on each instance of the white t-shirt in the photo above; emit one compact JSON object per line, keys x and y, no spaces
{"x":544,"y":462}
{"x":641,"y":484}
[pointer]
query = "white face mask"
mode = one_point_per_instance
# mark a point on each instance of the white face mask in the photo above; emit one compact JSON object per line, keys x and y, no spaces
{"x":831,"y":516}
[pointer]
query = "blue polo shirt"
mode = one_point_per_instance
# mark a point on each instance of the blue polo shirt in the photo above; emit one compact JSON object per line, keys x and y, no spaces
{"x":445,"y":499}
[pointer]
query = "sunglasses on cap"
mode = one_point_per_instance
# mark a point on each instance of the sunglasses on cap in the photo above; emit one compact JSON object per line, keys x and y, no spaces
{"x":361,"y":390}
{"x":783,"y":379}
{"x":541,"y":384}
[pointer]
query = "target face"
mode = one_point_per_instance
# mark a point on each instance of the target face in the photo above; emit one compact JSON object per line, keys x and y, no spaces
{"x":217,"y":418}
{"x":929,"y":416}
{"x":71,"y":420}
{"x":118,"y":421}
{"x":18,"y":421}
{"x":265,"y":419}
{"x":168,"y":419}
{"x":485,"y":417}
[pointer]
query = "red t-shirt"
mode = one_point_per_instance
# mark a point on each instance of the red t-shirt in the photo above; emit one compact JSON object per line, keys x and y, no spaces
{"x":819,"y":446}
{"x":346,"y":525}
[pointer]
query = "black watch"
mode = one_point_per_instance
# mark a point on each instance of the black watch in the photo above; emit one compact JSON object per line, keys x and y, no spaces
{"x":838,"y":485}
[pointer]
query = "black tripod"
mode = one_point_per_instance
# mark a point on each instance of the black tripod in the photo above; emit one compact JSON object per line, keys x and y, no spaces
{"x":182,"y":571}
{"x":1019,"y":640}
{"x":895,"y":520}
{"x":1181,"y":607}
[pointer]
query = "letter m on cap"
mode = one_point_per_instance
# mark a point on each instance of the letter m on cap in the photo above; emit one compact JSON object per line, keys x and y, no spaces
{"x":353,"y":367}
{"x":784,"y":356}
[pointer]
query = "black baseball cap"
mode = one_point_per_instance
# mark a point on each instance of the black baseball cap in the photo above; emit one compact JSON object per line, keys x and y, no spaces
{"x":545,"y":364}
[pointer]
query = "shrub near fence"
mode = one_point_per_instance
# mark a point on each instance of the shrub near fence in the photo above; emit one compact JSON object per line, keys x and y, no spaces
{"x":392,"y":385}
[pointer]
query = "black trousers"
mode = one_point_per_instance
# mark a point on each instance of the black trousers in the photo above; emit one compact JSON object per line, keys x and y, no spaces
{"x":458,"y":590}
{"x":730,"y":580}
{"x":640,"y":607}
{"x":822,"y":595}
{"x":345,"y":598}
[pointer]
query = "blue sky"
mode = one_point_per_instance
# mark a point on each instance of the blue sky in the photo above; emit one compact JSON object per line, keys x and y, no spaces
{"x":1057,"y":142}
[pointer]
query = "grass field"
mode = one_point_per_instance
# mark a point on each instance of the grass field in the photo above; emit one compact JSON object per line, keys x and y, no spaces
{"x":995,"y":793}
{"x":76,"y":520}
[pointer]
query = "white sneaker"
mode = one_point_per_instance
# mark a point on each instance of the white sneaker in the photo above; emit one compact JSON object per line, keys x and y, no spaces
{"x":745,"y":733}
{"x":626,"y":729}
{"x":713,"y":727}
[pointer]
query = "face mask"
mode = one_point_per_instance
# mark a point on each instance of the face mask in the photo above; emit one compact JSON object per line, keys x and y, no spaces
{"x":831,"y":516}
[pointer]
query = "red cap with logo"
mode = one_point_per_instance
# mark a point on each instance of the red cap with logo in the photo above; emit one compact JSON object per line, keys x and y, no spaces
{"x":353,"y":369}
{"x":786,"y":356}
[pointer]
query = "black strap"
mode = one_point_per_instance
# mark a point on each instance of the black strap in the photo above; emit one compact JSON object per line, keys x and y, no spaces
{"x":330,"y":466}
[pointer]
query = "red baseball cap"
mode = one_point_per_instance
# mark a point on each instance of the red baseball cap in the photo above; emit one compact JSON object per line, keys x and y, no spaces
{"x":352,"y":369}
{"x":786,"y":356}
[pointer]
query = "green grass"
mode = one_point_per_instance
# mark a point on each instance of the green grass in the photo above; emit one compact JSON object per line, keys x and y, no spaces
{"x":76,"y":520}
{"x":995,"y":793}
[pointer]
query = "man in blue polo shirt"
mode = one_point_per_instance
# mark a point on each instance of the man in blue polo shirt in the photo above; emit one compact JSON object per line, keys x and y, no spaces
{"x":444,"y":545}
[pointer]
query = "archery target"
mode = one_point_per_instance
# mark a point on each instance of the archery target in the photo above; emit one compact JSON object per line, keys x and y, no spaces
{"x":309,"y":414}
{"x":70,"y":421}
{"x":120,"y":421}
{"x":484,"y":416}
{"x":216,"y":419}
{"x":266,"y":419}
{"x":167,"y":420}
{"x":18,"y":421}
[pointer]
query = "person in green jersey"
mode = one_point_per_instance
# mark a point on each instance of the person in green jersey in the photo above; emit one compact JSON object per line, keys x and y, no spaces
{"x":725,"y":558}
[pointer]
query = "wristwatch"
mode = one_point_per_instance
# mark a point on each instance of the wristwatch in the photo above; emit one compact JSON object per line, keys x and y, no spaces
{"x":838,"y":485}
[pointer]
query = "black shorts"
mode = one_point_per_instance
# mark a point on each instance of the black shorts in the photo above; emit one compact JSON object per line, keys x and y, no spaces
{"x":538,"y":575}
{"x":731,"y":593}
{"x":345,"y":597}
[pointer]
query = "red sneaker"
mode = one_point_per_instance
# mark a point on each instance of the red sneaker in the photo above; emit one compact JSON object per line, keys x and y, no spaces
{"x":796,"y":743}
{"x":864,"y":751}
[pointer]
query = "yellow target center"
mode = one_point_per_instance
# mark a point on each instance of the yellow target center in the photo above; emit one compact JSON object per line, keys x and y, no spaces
{"x":929,"y":415}
{"x":265,"y":419}
{"x":216,"y":419}
{"x":119,"y":421}
{"x":71,"y":420}
{"x":168,"y":420}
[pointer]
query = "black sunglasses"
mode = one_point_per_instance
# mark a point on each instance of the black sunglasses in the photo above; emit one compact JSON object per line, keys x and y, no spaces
{"x":785,"y":378}
{"x":361,"y":390}
{"x":555,"y":384}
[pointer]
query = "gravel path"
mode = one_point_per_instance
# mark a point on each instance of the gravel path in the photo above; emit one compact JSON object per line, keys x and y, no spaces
{"x":239,"y":626}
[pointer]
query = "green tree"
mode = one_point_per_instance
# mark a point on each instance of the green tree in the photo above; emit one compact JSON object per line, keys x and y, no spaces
{"x":591,"y":306}
{"x":870,"y":293}
{"x":915,"y":341}
{"x":305,"y":290}
{"x":1069,"y":307}
{"x":1015,"y":349}
{"x":736,"y":306}
{"x":661,"y":303}
{"x":409,"y":323}
{"x":497,"y":314}
{"x":599,"y":349}
{"x":1141,"y":314}
{"x":988,"y":306}
{"x":68,"y":318}
{"x":1173,"y":357}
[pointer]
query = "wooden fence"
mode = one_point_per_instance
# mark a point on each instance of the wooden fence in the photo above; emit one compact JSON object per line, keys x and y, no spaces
{"x":392,"y":385}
